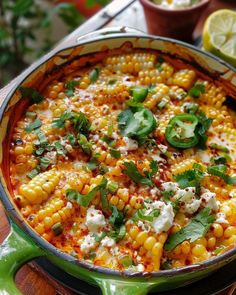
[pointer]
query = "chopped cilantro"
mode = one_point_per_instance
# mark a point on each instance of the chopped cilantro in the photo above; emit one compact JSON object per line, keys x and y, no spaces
{"x":204,"y":124}
{"x":117,"y":217}
{"x":112,"y":82}
{"x":219,"y":147}
{"x":190,"y":107}
{"x":197,"y":90}
{"x":197,"y":228}
{"x":99,"y":236}
{"x":115,"y":153}
{"x":93,"y":75}
{"x":85,"y":200}
{"x":140,"y":214}
{"x":70,"y":87}
{"x":85,"y":144}
{"x":60,"y":122}
{"x":71,"y":138}
{"x":220,"y":171}
{"x":34,"y":125}
{"x":118,"y":234}
{"x":132,"y":171}
{"x":31,"y":93}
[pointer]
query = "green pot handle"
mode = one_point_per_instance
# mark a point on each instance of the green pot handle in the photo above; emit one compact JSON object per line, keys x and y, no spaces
{"x":16,"y":249}
{"x":123,"y":287}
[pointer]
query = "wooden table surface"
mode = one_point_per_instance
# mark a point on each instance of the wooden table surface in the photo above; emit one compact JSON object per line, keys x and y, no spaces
{"x":31,"y":279}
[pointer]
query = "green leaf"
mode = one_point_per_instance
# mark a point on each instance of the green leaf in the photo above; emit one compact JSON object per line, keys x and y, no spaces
{"x":218,"y":160}
{"x":132,"y":171}
{"x":70,"y":87}
{"x":31,"y":93}
{"x":99,"y":236}
{"x":204,"y":124}
{"x":60,"y":122}
{"x":141,"y":215}
{"x":197,"y":90}
{"x":190,"y":107}
{"x":34,"y":125}
{"x":85,"y":200}
{"x":93,"y":75}
{"x":72,"y":139}
{"x":104,"y":200}
{"x":219,"y":147}
{"x":117,"y":217}
{"x":118,"y":234}
{"x":81,"y":122}
{"x":21,"y":7}
{"x":197,"y":228}
{"x":191,"y":178}
{"x":115,"y":153}
{"x":85,"y":144}
{"x":220,"y":171}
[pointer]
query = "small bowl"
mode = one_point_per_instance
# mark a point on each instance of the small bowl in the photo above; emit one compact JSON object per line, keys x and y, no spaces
{"x":173,"y":23}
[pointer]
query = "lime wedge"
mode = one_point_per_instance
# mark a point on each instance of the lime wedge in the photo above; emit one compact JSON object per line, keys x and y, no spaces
{"x":219,"y":35}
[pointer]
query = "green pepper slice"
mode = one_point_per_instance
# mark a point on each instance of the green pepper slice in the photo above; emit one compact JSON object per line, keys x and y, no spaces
{"x":180,"y":132}
{"x":147,"y":122}
{"x":138,"y":124}
{"x":139,"y":93}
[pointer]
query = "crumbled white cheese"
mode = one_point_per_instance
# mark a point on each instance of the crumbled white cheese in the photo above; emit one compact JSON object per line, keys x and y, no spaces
{"x":130,"y":145}
{"x":94,"y":219}
{"x":140,"y":267}
{"x":88,"y":244}
{"x":158,"y":158}
{"x":221,"y":218}
{"x":163,"y":148}
{"x":188,"y":203}
{"x":115,"y":251}
{"x":69,"y":205}
{"x":154,"y":191}
{"x":164,"y":221}
{"x":170,"y":186}
{"x":209,"y":200}
{"x":108,"y":242}
{"x":144,"y":226}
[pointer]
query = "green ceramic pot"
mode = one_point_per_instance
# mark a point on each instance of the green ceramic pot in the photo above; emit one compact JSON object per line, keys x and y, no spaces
{"x":23,"y":244}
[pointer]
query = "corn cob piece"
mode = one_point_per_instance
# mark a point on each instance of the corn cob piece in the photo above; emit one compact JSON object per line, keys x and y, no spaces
{"x":131,"y":63}
{"x":147,"y":243}
{"x":40,"y":187}
{"x":154,"y":76}
{"x":184,"y":78}
{"x":160,"y":92}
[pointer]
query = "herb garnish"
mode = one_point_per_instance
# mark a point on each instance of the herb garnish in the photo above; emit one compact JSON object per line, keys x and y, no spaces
{"x":132,"y":171}
{"x":85,"y":200}
{"x":140,"y":214}
{"x":197,"y":90}
{"x":220,"y":171}
{"x":85,"y":144}
{"x":70,"y":87}
{"x":93,"y":75}
{"x":115,"y":153}
{"x":198,"y":227}
{"x":31,"y":93}
{"x":34,"y":125}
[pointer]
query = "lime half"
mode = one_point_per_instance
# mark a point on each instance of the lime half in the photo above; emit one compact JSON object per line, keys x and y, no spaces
{"x":219,"y":35}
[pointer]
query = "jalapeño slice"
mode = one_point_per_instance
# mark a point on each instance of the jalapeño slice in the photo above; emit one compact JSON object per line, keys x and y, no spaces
{"x":180,"y":132}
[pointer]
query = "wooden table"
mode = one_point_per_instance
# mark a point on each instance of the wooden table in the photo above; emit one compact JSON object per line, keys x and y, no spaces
{"x":30,"y":279}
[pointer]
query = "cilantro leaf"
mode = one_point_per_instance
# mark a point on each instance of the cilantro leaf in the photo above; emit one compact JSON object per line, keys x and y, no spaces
{"x":85,"y":200}
{"x":133,"y":173}
{"x":34,"y":125}
{"x":93,"y":75}
{"x":60,"y":122}
{"x":220,"y":171}
{"x":191,"y":178}
{"x":204,"y":124}
{"x":118,"y":234}
{"x":197,"y":90}
{"x":140,"y":215}
{"x":115,"y":153}
{"x":117,"y":217}
{"x":70,"y":87}
{"x":198,"y":227}
{"x":85,"y":144}
{"x":31,"y":93}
